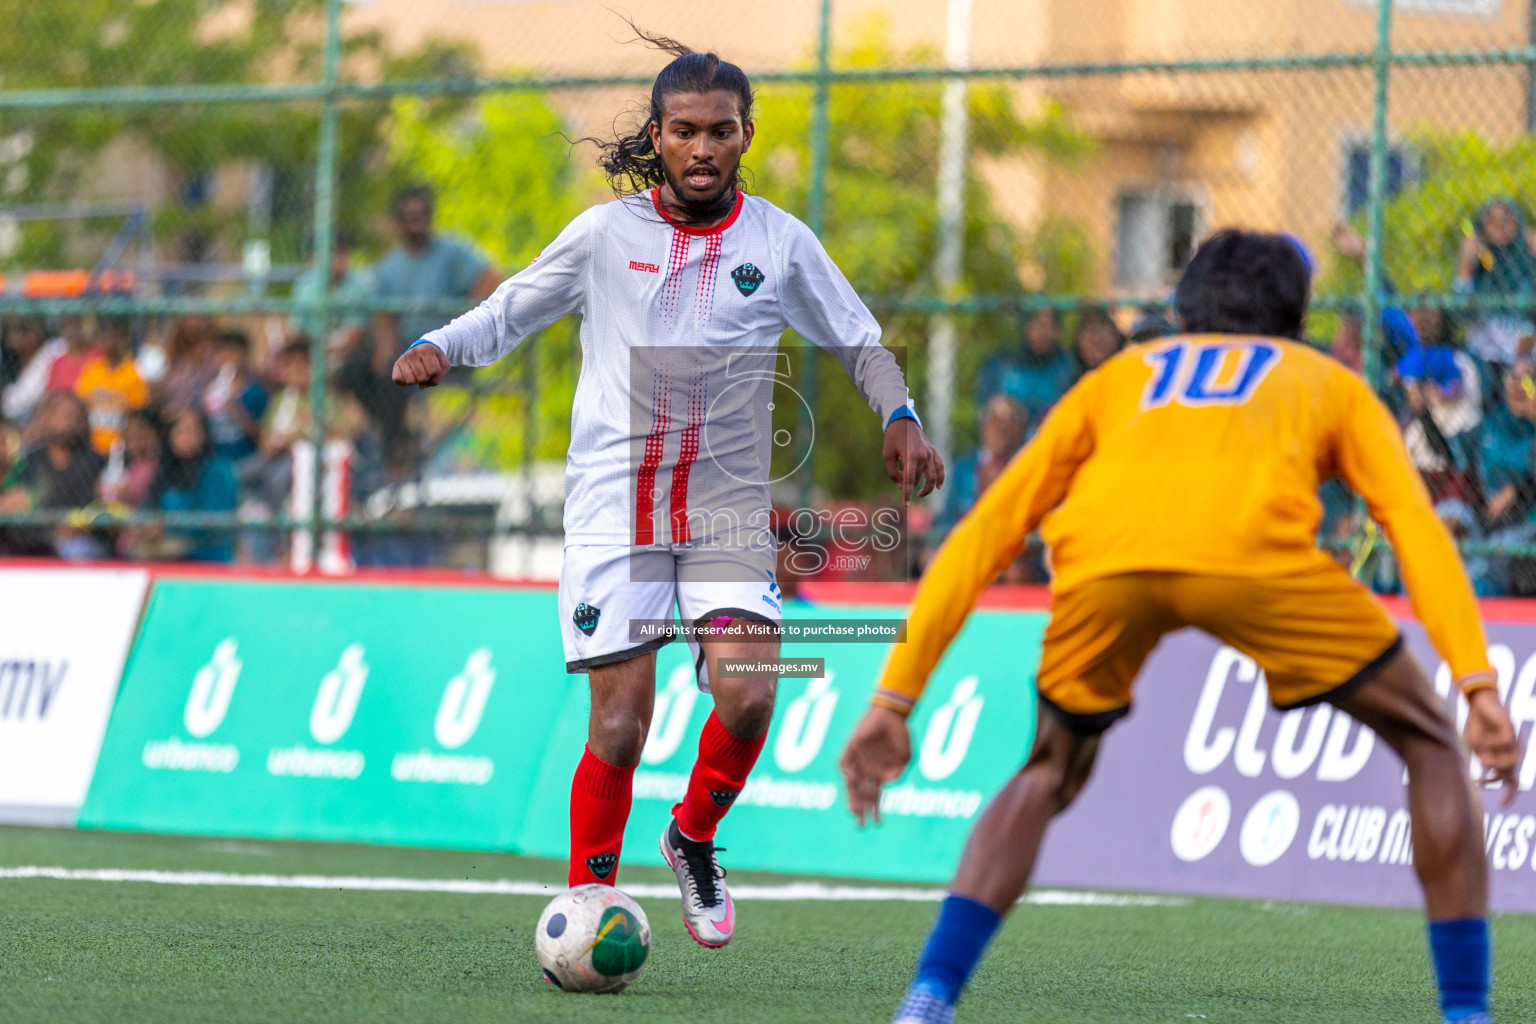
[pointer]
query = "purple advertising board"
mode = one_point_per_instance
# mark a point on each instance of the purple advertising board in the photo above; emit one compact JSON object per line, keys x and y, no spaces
{"x":1206,"y":790}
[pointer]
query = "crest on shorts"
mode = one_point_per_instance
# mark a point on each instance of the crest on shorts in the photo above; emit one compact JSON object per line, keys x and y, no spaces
{"x":586,"y":617}
{"x":747,"y":278}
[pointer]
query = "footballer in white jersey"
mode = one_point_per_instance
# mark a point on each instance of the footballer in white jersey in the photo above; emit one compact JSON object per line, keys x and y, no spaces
{"x":684,"y":285}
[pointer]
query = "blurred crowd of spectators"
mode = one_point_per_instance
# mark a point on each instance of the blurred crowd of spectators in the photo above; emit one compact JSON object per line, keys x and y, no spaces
{"x":1463,"y":387}
{"x":194,"y":415}
{"x":190,"y":414}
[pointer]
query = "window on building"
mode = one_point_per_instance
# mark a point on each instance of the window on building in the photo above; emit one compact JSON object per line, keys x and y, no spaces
{"x":1482,"y":8}
{"x":1155,"y":235}
{"x":1357,"y":174}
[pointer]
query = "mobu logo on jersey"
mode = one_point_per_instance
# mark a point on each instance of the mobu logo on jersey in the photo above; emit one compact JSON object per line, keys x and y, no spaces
{"x":213,"y":687}
{"x":747,"y":278}
{"x":329,"y":719}
{"x":458,"y":719}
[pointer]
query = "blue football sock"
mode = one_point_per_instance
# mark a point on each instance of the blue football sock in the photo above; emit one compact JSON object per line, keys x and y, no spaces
{"x":955,"y":946}
{"x":1461,"y":950}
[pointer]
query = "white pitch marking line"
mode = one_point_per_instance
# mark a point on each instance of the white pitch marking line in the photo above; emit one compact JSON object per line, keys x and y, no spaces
{"x":815,"y":891}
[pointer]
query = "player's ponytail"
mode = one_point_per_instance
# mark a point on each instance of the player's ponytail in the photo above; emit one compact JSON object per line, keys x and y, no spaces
{"x":630,"y":161}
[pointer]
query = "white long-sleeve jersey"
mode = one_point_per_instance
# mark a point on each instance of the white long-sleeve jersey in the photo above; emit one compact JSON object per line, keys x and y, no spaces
{"x":671,"y":432}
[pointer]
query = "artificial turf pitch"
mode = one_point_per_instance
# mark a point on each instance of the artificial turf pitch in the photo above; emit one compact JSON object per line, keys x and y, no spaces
{"x":133,"y":951}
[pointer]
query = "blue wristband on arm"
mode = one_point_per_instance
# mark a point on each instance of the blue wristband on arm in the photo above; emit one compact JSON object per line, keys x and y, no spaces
{"x":906,"y":412}
{"x":413,"y":344}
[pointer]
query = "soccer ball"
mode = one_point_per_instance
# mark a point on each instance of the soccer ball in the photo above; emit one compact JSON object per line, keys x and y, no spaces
{"x":592,"y":938}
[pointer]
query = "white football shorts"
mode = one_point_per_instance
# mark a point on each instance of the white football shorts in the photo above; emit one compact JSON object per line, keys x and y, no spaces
{"x":605,"y":588}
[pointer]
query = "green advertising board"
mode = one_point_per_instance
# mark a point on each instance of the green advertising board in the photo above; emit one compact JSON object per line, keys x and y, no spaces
{"x":444,"y":717}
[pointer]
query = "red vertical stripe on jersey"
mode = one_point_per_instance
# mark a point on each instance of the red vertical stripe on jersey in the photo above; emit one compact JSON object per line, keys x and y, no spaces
{"x":704,"y":297}
{"x":672,"y":288}
{"x":698,"y":398}
{"x":645,"y":479}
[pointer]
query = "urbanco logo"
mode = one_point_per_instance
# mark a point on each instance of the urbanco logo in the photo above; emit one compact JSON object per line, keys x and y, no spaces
{"x":949,"y":734}
{"x":329,"y":719}
{"x":459,"y":714}
{"x":336,"y":701}
{"x":212,"y":689}
{"x":674,"y":710}
{"x":463,"y":704}
{"x":805,"y":725}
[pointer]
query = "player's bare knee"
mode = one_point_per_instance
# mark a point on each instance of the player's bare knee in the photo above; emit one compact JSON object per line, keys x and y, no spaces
{"x":1062,"y":761}
{"x":748,"y":711}
{"x":616,"y":732}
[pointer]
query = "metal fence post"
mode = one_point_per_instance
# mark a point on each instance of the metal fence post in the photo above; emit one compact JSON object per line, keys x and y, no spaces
{"x":1381,"y":69}
{"x":325,"y":231}
{"x":948,"y":262}
{"x":815,"y":216}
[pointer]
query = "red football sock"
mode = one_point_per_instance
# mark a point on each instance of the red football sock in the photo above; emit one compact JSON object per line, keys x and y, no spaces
{"x":718,"y":776}
{"x":600,"y":799}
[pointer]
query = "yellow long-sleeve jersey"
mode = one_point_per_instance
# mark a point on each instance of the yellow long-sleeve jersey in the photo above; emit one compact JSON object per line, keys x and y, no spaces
{"x":1196,"y":454}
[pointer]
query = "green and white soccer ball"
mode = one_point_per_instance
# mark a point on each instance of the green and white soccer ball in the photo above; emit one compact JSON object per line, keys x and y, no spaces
{"x":593,"y":938}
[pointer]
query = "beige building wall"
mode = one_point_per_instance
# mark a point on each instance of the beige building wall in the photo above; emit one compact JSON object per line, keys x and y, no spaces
{"x":1265,"y":149}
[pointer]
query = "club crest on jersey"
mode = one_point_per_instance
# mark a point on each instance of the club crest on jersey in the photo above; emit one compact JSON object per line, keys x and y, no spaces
{"x":747,"y":278}
{"x":586,"y":618}
{"x":602,"y":864}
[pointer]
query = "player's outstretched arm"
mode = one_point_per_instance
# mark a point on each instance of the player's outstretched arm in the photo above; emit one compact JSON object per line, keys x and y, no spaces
{"x":1375,"y":462}
{"x":910,"y":459}
{"x":422,"y":365}
{"x":986,"y":541}
{"x":553,"y":286}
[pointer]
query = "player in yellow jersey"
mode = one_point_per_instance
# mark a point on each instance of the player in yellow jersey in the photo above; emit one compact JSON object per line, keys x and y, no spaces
{"x":1177,"y":486}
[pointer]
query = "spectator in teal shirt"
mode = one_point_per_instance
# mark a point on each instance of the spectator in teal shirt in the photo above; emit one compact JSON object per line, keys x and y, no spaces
{"x":425,"y":265}
{"x":195,"y":478}
{"x":1037,"y":374}
{"x":344,"y":330}
{"x":1509,"y":491}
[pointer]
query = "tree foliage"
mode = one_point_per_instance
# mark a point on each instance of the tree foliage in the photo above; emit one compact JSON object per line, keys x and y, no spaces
{"x":507,"y":179}
{"x":1426,"y":222}
{"x":881,"y":224}
{"x":55,"y":154}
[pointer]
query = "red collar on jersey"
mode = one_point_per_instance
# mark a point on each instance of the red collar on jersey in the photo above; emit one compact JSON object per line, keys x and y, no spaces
{"x":689,"y":229}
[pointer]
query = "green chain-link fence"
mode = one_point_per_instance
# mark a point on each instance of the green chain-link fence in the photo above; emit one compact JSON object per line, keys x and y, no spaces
{"x":1012,"y":185}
